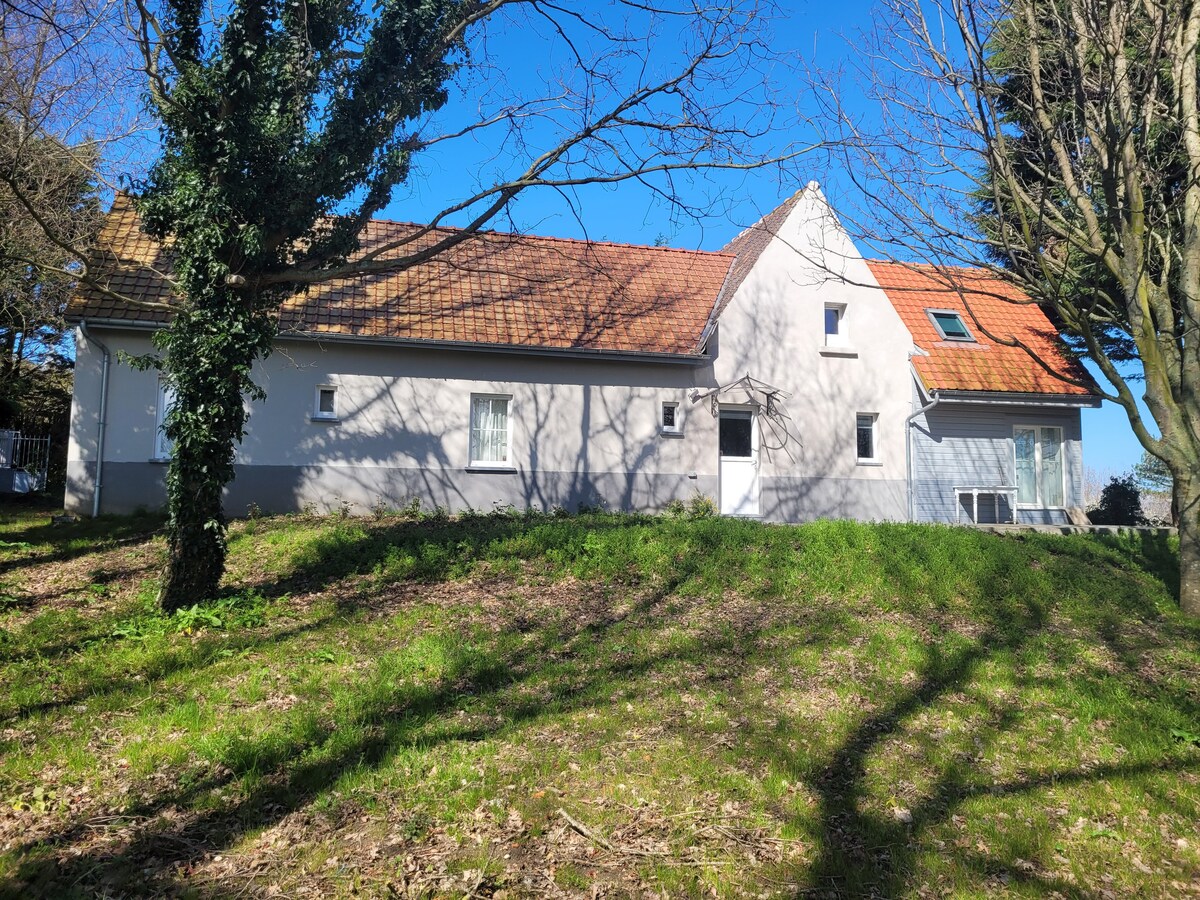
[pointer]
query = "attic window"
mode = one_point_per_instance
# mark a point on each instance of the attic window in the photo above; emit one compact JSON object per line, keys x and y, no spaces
{"x":835,"y":325}
{"x":950,"y":325}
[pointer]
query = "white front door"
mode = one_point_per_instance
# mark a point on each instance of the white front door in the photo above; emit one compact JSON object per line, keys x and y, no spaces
{"x":738,"y":441}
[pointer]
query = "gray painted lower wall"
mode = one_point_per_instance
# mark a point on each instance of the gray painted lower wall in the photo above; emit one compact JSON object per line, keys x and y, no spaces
{"x":792,"y":499}
{"x":280,"y":489}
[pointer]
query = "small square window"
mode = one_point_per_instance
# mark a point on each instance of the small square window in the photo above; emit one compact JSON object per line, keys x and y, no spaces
{"x":669,"y":418}
{"x":866,"y":437}
{"x":950,"y":325}
{"x":325,"y":406}
{"x":835,"y":325}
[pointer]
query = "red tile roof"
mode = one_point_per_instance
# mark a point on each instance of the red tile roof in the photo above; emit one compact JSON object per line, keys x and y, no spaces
{"x":984,"y":300}
{"x":494,"y":288}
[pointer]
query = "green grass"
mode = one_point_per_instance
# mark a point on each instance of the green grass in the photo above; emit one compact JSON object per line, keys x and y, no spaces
{"x":392,"y":706}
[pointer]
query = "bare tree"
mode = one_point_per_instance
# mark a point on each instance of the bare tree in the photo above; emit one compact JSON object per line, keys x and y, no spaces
{"x":1058,"y":145}
{"x":286,"y":125}
{"x":70,"y":119}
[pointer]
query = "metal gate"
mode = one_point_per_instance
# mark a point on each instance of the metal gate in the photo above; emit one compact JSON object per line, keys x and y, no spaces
{"x":24,"y":461}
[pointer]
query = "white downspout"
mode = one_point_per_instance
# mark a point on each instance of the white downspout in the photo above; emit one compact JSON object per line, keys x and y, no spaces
{"x":106,"y":357}
{"x":908,"y":462}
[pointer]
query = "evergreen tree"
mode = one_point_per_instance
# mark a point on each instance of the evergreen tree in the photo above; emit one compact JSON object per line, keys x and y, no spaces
{"x":1152,"y":474}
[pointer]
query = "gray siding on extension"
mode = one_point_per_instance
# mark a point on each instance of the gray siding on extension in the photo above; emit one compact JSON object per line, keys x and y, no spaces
{"x":960,"y":444}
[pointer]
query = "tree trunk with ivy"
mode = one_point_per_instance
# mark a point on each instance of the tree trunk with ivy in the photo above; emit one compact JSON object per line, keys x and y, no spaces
{"x":210,"y":350}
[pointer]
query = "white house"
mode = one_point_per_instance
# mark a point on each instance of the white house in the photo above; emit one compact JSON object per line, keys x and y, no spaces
{"x":785,"y":377}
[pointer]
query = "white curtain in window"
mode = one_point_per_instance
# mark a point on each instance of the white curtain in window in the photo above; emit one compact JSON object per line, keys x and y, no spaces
{"x":489,"y":429}
{"x":1026,"y":440}
{"x":1052,"y":467}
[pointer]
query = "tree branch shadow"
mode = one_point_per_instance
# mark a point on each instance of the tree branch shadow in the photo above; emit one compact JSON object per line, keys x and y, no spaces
{"x":82,"y":538}
{"x":180,"y":825}
{"x":857,"y":853}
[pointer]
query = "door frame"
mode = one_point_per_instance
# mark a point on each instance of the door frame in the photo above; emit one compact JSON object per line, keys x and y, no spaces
{"x":755,"y":458}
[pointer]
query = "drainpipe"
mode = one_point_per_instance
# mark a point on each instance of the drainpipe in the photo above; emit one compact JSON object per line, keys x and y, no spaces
{"x":908,"y":466}
{"x":106,"y":358}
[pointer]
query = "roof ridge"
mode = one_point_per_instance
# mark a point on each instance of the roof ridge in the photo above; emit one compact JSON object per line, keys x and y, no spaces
{"x":926,"y":265}
{"x":547,"y":237}
{"x":123,"y":195}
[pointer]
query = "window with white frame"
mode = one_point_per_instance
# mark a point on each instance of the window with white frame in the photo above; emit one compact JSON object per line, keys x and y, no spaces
{"x":1040,"y":470}
{"x":950,"y":325}
{"x":668,"y":420}
{"x":491,"y":430}
{"x":325,"y":403}
{"x":835,"y":325}
{"x":866,"y":428}
{"x":166,"y":400}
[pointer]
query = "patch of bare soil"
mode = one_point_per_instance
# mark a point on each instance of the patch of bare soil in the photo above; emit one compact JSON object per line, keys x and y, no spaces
{"x":492,"y":852}
{"x":91,"y":584}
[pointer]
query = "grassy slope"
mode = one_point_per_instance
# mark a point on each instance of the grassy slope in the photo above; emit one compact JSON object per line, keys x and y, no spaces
{"x":396,"y":707}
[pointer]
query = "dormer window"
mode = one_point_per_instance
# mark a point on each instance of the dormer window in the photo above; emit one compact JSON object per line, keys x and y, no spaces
{"x":950,"y":325}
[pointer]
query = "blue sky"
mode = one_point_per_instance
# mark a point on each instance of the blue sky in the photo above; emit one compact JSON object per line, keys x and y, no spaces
{"x":819,"y":33}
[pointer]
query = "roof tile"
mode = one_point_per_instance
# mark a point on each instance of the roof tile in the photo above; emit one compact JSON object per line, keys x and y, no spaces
{"x":1001,"y":309}
{"x":493,"y":288}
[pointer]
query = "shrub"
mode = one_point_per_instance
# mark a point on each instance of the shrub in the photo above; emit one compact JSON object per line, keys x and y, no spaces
{"x":1120,"y":503}
{"x":702,"y":506}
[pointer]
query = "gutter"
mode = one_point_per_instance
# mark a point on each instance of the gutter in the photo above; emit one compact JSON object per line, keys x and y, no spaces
{"x":999,"y":398}
{"x":107,"y":358}
{"x":645,"y":356}
{"x":908,"y":454}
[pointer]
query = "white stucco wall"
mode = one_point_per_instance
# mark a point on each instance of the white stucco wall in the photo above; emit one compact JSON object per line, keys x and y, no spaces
{"x":583,"y":431}
{"x":774,"y":330}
